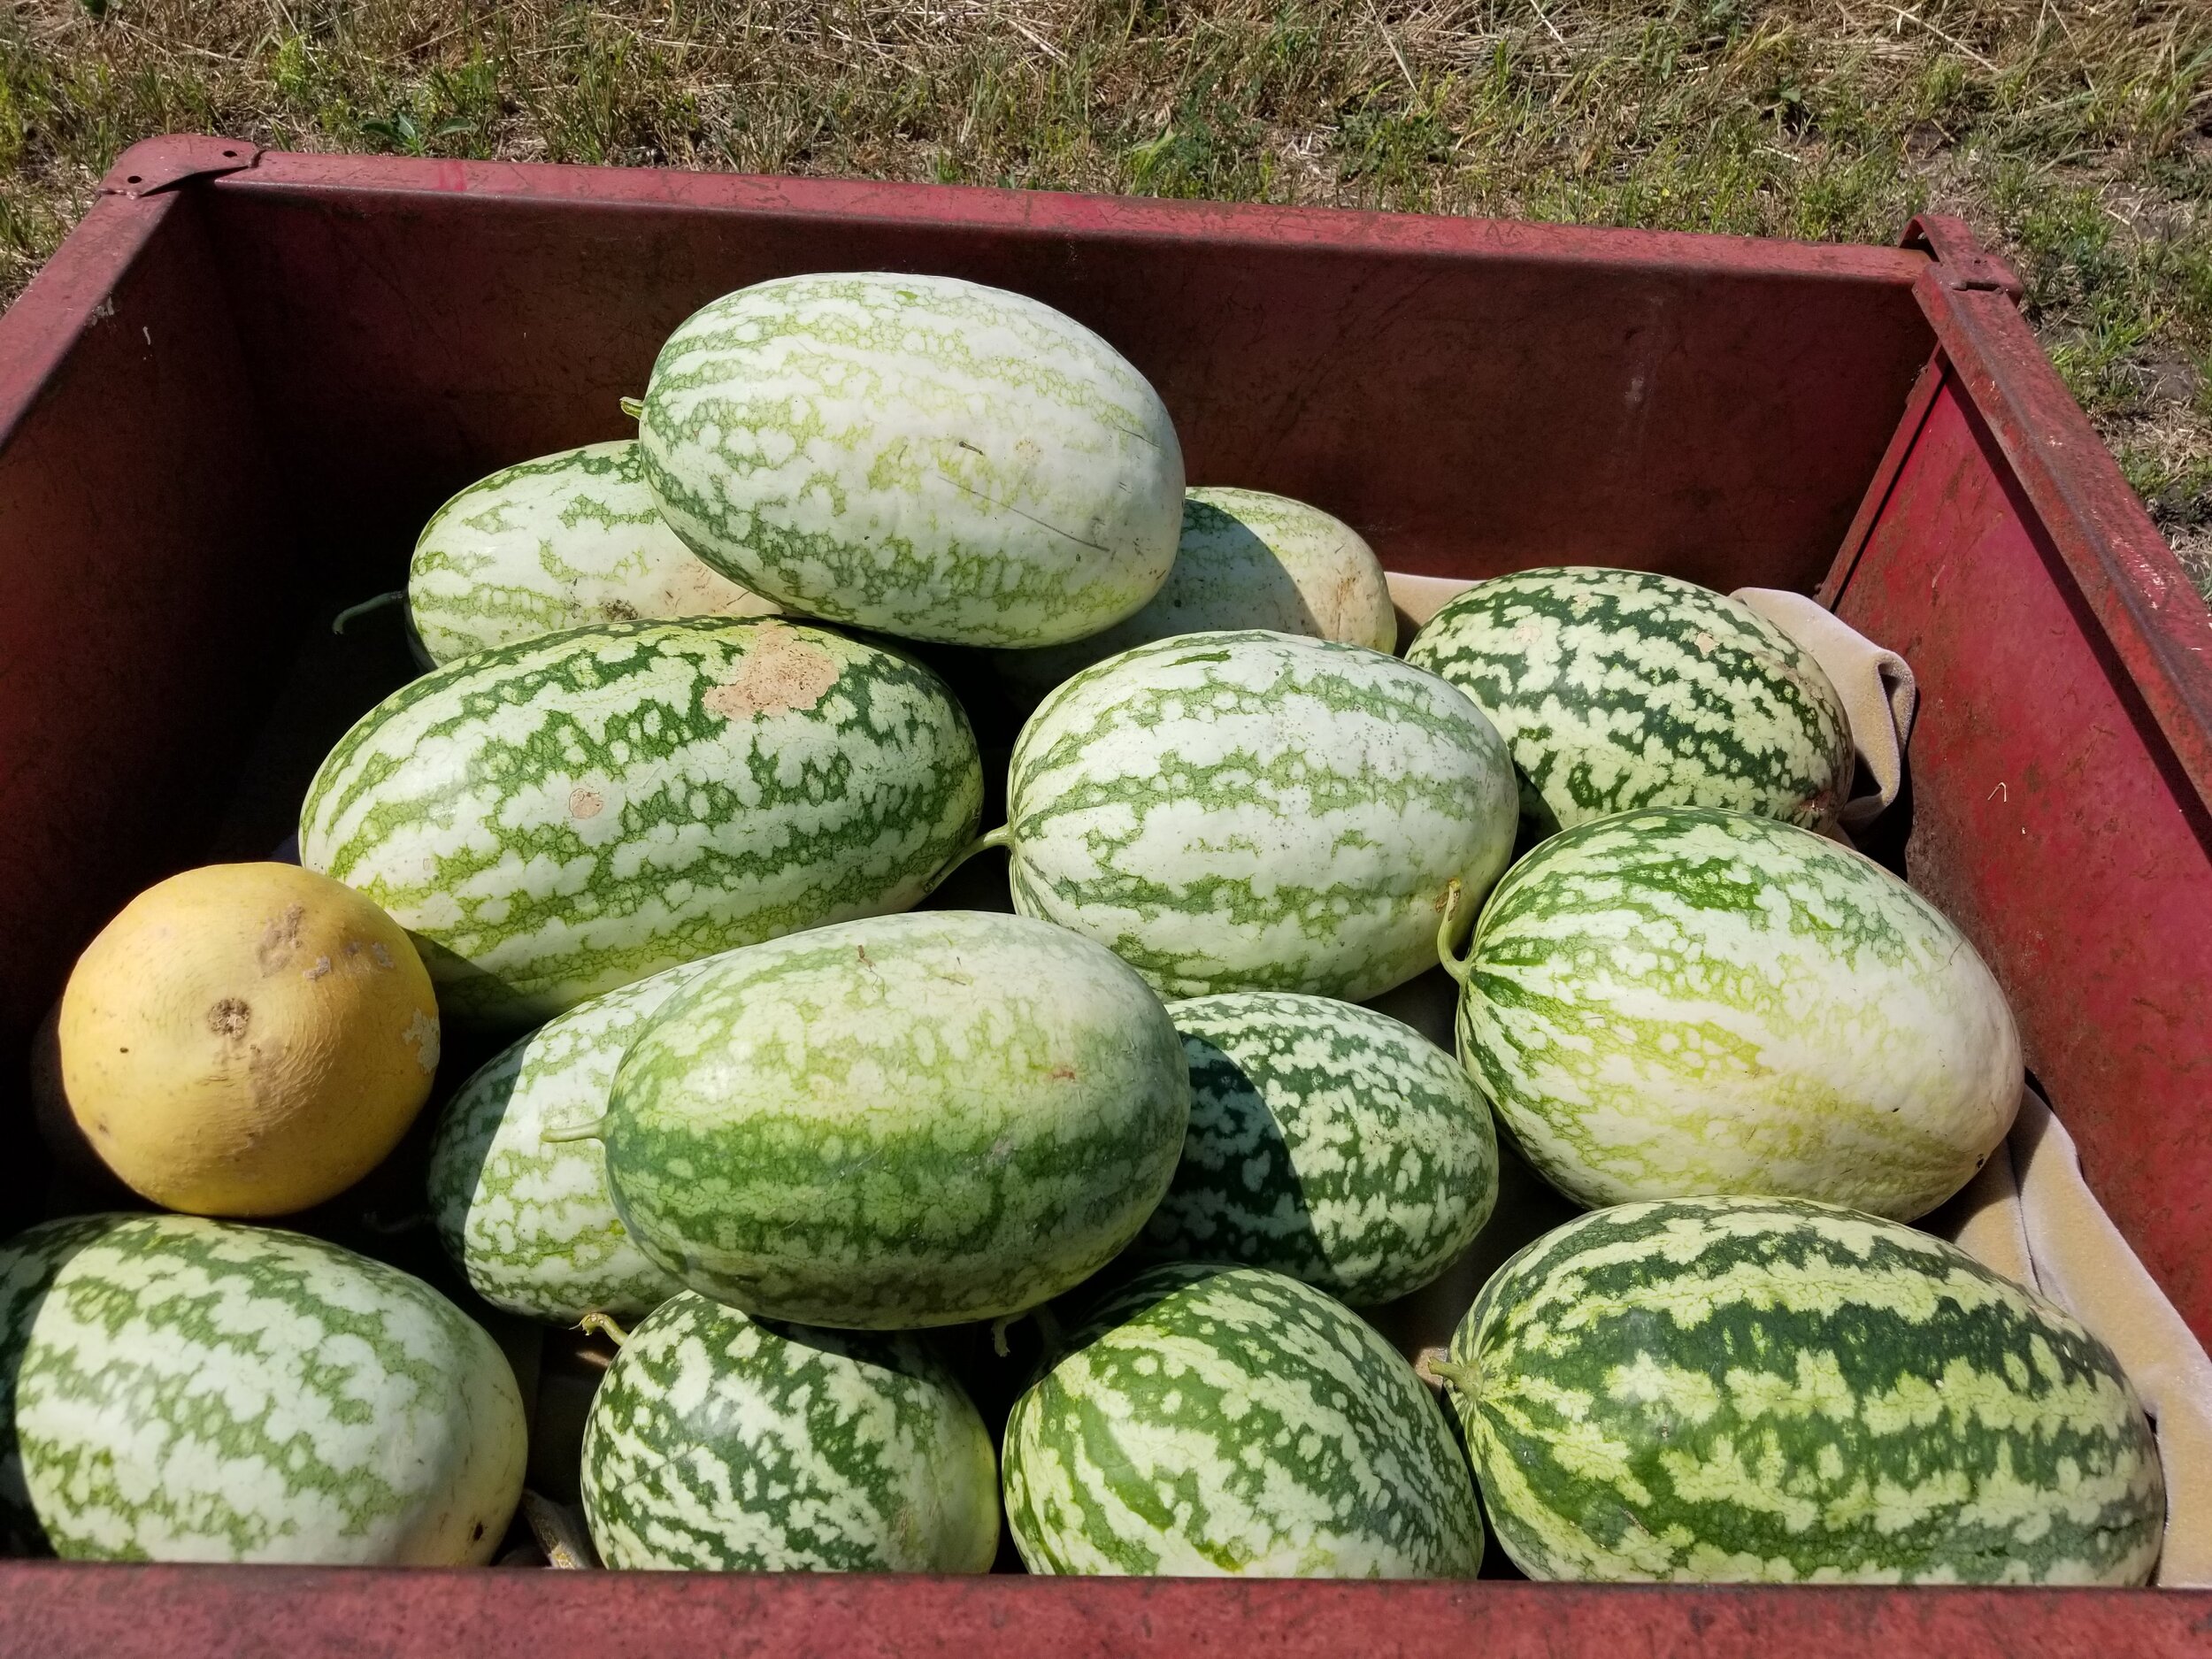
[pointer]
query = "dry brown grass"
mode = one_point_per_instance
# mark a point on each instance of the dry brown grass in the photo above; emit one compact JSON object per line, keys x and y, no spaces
{"x":2077,"y":135}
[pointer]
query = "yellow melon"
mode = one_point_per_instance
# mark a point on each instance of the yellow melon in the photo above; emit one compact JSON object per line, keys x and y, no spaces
{"x":247,"y":1039}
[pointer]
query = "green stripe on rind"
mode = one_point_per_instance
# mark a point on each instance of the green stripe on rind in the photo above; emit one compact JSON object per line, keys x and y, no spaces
{"x":1229,"y":1420}
{"x":921,"y":455}
{"x":195,"y":1390}
{"x":558,"y":818}
{"x":1618,"y":690}
{"x":1249,"y":811}
{"x":912,"y":1121}
{"x":1247,"y":559}
{"x":1724,"y":1389}
{"x":1675,"y":1003}
{"x":528,"y":1220}
{"x":555,"y":543}
{"x":1326,"y":1141}
{"x":718,"y":1444}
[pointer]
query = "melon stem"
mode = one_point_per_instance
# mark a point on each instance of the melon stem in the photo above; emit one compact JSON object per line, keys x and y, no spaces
{"x":603,"y":1325}
{"x":1002,"y":836}
{"x":1455,"y":963}
{"x":633,"y":407}
{"x":1465,"y":1378}
{"x":338,"y":623}
{"x":593,"y":1131}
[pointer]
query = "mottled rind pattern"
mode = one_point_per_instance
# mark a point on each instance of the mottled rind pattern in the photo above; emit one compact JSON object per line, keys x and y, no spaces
{"x":1618,"y":690}
{"x":1247,"y":559}
{"x":720,"y":1444}
{"x":194,"y":1390}
{"x":560,"y":818}
{"x":527,"y":1219}
{"x":1250,"y":811}
{"x":1739,"y":1389}
{"x":910,"y":1121}
{"x":915,"y":454}
{"x":554,"y":543}
{"x":1232,"y":1421}
{"x":1327,"y":1141}
{"x":1675,"y":1003}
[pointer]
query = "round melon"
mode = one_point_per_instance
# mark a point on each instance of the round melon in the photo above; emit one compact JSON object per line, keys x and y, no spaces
{"x":1246,"y":559}
{"x":557,"y":542}
{"x":179,"y":1389}
{"x":914,"y":1120}
{"x":247,"y":1039}
{"x":560,"y":818}
{"x":1617,"y":689}
{"x":1215,"y":1421}
{"x":527,"y":1219}
{"x":1327,"y":1141}
{"x":720,"y":1444}
{"x":1679,"y":1002}
{"x":1250,"y":811}
{"x":1766,"y":1389}
{"x":918,"y":455}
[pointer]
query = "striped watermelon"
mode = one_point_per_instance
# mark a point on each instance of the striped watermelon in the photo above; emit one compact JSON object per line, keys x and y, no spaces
{"x":1675,"y":1003}
{"x":1751,"y":1388}
{"x":1230,"y":1420}
{"x":555,"y":543}
{"x":916,"y":454}
{"x":1327,"y":1141}
{"x":179,"y":1389}
{"x":1618,"y":690}
{"x":718,"y":1444}
{"x":910,"y":1121}
{"x":1247,"y":559}
{"x":528,"y":1220}
{"x":557,"y":818}
{"x":1249,"y":811}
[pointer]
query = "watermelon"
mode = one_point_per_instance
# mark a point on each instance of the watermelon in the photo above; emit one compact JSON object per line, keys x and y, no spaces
{"x":557,"y":818}
{"x":1210,"y":1421}
{"x":720,"y":1444}
{"x":552,"y":545}
{"x":915,"y":454}
{"x":1327,"y":1141}
{"x":913,"y":1120}
{"x":1246,"y":559}
{"x":526,"y":1220}
{"x":173,"y":1388}
{"x":1765,"y":1389}
{"x":1618,"y":690}
{"x":1248,"y":810}
{"x":1677,"y":1002}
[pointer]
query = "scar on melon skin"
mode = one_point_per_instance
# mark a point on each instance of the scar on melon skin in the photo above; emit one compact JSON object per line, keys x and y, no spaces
{"x":781,"y":674}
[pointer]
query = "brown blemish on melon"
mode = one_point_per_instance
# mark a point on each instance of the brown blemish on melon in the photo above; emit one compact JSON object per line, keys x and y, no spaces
{"x":229,"y":1018}
{"x":280,"y":938}
{"x":783,"y":673}
{"x":585,"y":802}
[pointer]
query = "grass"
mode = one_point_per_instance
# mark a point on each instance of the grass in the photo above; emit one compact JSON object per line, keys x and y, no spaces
{"x":2076,"y":135}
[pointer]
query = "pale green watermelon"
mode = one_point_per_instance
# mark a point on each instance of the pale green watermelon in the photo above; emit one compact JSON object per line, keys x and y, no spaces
{"x":1255,"y":811}
{"x":1675,"y":1003}
{"x":554,"y":543}
{"x":1756,"y":1389}
{"x":1327,"y":1141}
{"x":1231,"y":1420}
{"x":557,"y":818}
{"x":179,"y":1389}
{"x":1247,"y":559}
{"x":720,"y":1444}
{"x":1618,"y":690}
{"x":528,"y":1220}
{"x":914,"y":1120}
{"x":918,"y":454}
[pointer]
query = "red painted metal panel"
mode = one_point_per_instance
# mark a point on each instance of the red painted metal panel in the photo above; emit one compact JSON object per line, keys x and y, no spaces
{"x":166,"y":1613}
{"x":1476,"y":397}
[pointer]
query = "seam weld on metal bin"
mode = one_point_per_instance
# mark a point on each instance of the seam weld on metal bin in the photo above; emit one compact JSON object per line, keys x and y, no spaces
{"x":245,"y":380}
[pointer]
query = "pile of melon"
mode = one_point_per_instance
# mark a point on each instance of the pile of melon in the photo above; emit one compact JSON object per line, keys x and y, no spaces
{"x":1391,"y":1103}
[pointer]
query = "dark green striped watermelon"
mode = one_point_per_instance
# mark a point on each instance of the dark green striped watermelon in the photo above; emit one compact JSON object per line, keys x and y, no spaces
{"x":1753,"y":1388}
{"x":720,"y":1444}
{"x":1617,"y":689}
{"x":1231,"y":1420}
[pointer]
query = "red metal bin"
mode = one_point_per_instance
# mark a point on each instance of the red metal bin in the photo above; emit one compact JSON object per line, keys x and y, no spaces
{"x":239,"y":388}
